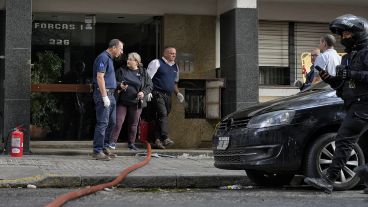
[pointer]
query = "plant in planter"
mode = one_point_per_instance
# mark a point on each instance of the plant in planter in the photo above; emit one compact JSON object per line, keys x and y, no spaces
{"x":44,"y":106}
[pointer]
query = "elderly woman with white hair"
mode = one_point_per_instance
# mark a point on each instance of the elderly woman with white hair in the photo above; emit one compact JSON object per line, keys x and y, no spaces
{"x":131,"y":99}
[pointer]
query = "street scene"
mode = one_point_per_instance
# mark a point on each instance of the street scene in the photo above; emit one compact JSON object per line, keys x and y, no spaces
{"x":183,"y":103}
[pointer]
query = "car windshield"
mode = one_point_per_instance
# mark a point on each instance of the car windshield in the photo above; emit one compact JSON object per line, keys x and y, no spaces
{"x":318,"y":86}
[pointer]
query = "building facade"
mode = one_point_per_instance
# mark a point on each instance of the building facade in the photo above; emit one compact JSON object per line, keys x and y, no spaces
{"x":231,"y":54}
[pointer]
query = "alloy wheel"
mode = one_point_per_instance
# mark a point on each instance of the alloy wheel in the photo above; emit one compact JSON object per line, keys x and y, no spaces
{"x":325,"y":159}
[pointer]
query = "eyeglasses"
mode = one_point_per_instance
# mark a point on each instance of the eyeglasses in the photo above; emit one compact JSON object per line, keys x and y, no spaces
{"x":314,"y":55}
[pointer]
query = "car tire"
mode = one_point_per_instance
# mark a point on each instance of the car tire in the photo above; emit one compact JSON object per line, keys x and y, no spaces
{"x":269,"y":179}
{"x":319,"y":157}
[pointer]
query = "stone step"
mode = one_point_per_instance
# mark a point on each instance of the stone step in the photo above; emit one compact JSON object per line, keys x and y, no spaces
{"x":66,"y":144}
{"x":123,"y":152}
{"x":85,"y":148}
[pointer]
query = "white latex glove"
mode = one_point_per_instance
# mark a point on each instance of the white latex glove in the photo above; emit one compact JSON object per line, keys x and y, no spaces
{"x":149,"y":97}
{"x":180,"y":97}
{"x":106,"y":101}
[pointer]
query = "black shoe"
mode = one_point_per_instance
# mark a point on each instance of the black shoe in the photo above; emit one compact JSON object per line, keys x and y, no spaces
{"x":132,"y":147}
{"x":362,"y":172}
{"x":320,"y":183}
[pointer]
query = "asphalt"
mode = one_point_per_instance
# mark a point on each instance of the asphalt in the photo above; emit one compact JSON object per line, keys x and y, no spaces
{"x":66,"y":166}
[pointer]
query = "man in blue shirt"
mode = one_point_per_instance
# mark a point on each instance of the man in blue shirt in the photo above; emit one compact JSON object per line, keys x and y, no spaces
{"x":164,"y":73}
{"x":104,"y":85}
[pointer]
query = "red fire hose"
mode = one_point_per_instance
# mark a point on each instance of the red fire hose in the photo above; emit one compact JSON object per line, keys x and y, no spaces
{"x":61,"y":200}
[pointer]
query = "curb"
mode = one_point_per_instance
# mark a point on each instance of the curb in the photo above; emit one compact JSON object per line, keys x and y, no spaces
{"x":205,"y":181}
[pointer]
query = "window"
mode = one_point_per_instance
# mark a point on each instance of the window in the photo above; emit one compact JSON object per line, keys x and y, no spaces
{"x":195,"y":94}
{"x":274,"y":75}
{"x":273,"y":53}
{"x":195,"y":105}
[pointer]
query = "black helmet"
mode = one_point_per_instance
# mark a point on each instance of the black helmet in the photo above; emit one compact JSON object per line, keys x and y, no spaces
{"x":357,"y":25}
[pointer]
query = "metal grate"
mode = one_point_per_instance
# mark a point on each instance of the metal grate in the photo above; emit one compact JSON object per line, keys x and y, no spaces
{"x":227,"y":159}
{"x":235,"y":123}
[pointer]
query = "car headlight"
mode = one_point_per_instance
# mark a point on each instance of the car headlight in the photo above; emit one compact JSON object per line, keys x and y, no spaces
{"x":271,"y":119}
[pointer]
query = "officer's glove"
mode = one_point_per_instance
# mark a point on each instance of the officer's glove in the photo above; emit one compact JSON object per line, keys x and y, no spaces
{"x":149,"y":97}
{"x":106,"y":101}
{"x":343,"y":72}
{"x":324,"y":75}
{"x":180,"y":97}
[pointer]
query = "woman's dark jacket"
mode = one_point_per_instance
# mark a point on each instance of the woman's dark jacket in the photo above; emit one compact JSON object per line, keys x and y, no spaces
{"x":146,"y":85}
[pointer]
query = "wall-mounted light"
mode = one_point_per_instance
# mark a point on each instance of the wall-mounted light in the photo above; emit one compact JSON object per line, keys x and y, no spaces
{"x":89,"y":20}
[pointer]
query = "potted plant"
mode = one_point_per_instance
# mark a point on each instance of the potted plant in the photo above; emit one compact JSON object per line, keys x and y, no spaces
{"x":44,"y":106}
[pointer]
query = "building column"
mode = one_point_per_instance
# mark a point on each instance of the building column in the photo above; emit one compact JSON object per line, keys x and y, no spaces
{"x":17,"y":77}
{"x":239,"y":53}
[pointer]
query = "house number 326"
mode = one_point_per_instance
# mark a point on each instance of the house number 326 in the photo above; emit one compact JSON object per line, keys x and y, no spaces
{"x":58,"y":42}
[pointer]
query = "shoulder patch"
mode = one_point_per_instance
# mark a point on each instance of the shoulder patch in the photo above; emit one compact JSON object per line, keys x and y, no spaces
{"x":101,"y":65}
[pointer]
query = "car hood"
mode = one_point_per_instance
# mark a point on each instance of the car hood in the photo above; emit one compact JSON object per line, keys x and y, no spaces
{"x":299,"y":101}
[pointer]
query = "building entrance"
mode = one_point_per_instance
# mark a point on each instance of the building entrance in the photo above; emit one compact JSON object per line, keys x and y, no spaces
{"x":64,"y":47}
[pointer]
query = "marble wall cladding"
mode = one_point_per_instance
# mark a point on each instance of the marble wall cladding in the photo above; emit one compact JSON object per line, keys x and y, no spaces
{"x":239,"y":58}
{"x":17,"y":74}
{"x":193,"y":34}
{"x":188,"y":133}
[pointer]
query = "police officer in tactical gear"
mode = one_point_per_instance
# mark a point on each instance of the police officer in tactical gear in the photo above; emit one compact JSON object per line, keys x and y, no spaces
{"x":351,"y":84}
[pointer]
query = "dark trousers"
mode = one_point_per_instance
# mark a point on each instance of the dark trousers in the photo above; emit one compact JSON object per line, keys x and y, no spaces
{"x":131,"y":114}
{"x":347,"y":135}
{"x":162,"y":107}
{"x":105,"y":121}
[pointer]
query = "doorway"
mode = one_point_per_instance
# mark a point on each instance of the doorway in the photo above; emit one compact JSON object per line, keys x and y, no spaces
{"x":64,"y":47}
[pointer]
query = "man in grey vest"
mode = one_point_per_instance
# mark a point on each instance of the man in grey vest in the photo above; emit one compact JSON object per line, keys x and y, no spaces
{"x":164,"y":73}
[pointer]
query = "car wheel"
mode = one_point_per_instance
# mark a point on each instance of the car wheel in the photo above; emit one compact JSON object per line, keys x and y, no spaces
{"x":269,"y":179}
{"x":319,"y":158}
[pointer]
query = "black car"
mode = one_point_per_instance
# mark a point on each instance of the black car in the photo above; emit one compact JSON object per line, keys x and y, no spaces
{"x":273,"y":141}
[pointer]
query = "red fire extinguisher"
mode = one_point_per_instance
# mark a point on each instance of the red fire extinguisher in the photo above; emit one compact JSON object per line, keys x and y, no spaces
{"x":16,"y":138}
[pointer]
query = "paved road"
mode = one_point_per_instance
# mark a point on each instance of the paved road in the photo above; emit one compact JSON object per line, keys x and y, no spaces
{"x":249,"y":196}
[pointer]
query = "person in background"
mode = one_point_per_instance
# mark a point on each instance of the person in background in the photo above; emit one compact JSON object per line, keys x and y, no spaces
{"x":165,"y":77}
{"x":310,"y":75}
{"x":73,"y":103}
{"x":131,"y":99}
{"x":329,"y":58}
{"x":104,"y":85}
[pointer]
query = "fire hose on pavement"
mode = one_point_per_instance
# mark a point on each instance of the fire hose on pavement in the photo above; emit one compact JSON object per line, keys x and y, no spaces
{"x":61,"y":200}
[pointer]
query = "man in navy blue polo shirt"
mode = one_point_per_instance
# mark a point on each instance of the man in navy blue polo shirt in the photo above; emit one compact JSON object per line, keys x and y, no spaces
{"x":164,"y":73}
{"x":104,"y":83}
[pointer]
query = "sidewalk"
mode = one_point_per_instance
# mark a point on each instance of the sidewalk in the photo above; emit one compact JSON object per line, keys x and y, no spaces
{"x":185,"y":171}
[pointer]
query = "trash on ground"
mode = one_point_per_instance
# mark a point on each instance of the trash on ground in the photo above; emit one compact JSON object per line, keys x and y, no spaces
{"x":194,"y":157}
{"x":156,"y":155}
{"x":231,"y":187}
{"x":31,"y":186}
